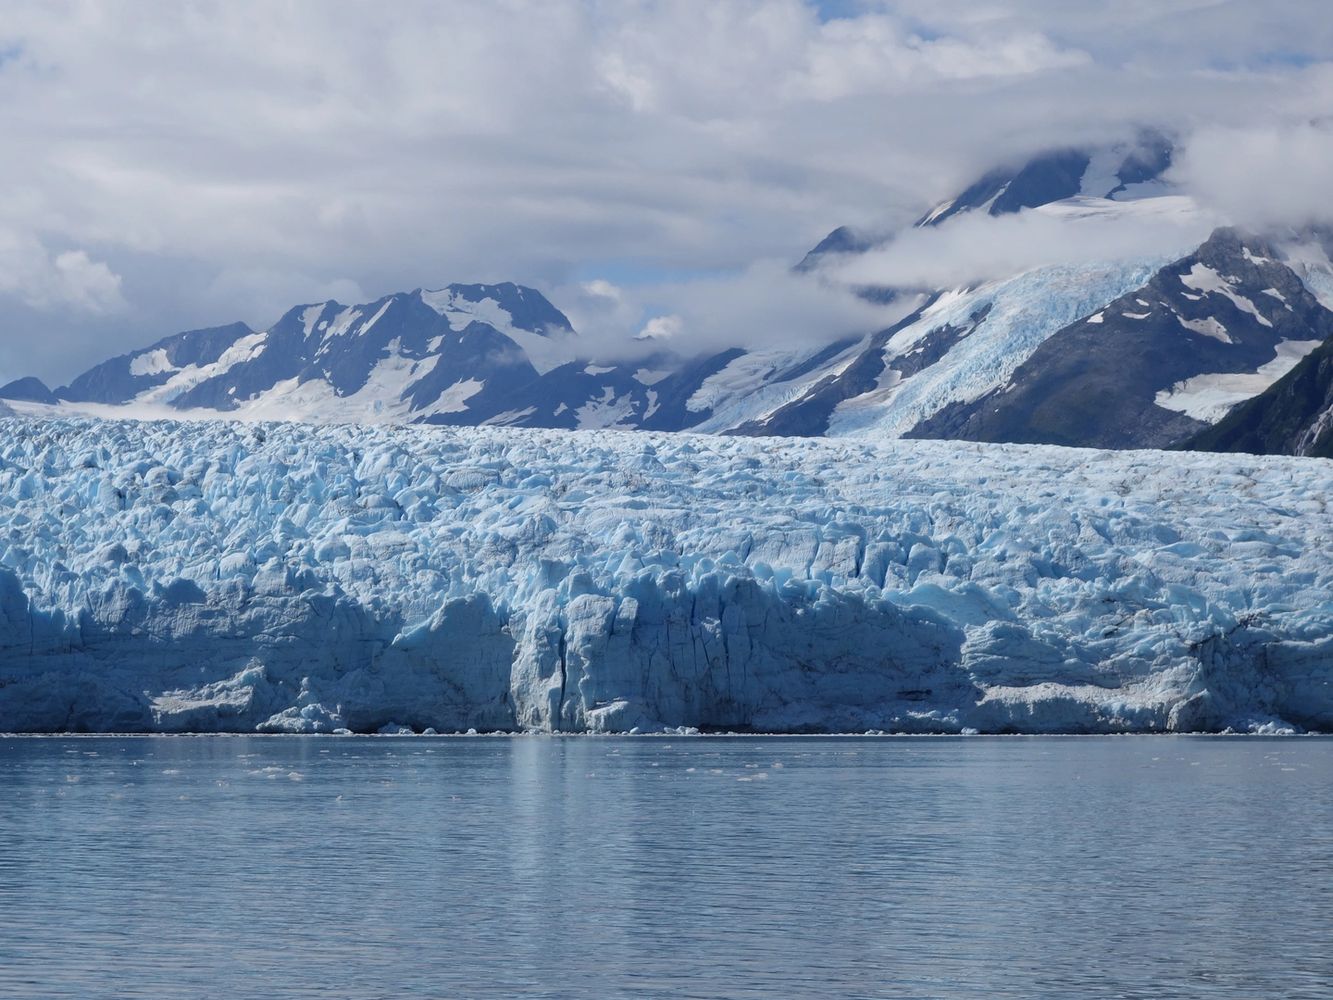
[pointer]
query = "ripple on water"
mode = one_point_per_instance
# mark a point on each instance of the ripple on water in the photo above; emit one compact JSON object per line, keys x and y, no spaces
{"x":317,"y":867}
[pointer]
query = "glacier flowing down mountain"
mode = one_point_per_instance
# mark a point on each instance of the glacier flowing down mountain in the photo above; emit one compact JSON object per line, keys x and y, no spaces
{"x":164,"y":576}
{"x":1145,"y":321}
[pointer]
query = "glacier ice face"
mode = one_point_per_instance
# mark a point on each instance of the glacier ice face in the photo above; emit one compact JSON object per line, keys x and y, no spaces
{"x":288,"y":578}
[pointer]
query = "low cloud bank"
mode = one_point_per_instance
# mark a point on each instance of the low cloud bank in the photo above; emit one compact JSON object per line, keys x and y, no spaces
{"x":766,"y":306}
{"x":1269,"y":175}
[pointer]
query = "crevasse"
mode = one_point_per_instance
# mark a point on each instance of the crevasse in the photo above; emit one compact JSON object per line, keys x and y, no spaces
{"x":281,"y":577}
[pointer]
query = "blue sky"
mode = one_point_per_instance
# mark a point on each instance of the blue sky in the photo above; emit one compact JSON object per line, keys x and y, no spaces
{"x":830,"y":9}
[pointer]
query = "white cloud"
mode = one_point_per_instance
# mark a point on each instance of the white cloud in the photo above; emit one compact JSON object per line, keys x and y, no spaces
{"x":874,"y":54}
{"x":600,"y":288}
{"x":273,"y":292}
{"x":1267,"y":174}
{"x":67,"y":281}
{"x":223,"y":157}
{"x":663,"y":329}
{"x":976,"y":247}
{"x":766,"y":305}
{"x":87,"y":284}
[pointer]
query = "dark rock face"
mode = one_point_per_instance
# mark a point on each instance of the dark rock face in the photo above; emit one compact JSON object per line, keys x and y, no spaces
{"x":1148,"y":161}
{"x":809,"y":415}
{"x":1293,"y":417}
{"x":1223,"y":309}
{"x":841,"y":240}
{"x":28,"y":390}
{"x":1049,"y":178}
{"x":115,"y":381}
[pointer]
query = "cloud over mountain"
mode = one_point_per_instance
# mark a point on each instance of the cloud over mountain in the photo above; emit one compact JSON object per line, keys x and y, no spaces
{"x":192,"y":165}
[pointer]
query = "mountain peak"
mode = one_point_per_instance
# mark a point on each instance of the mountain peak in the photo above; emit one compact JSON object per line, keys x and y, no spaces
{"x":28,"y":390}
{"x":1121,"y":171}
{"x":132,"y":374}
{"x":504,"y":305}
{"x":1118,"y":171}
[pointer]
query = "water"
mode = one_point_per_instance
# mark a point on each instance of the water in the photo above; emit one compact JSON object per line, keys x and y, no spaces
{"x":585,"y":867}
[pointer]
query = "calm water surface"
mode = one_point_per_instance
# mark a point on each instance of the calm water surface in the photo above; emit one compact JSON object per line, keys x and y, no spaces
{"x":693,"y":867}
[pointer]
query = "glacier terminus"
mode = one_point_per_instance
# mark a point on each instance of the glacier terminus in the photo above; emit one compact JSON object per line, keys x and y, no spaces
{"x":214,"y":576}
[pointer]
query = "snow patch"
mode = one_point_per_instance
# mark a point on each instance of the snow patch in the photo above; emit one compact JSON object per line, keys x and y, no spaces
{"x":1208,"y":327}
{"x":151,"y":363}
{"x":607,"y":410}
{"x":310,"y":315}
{"x":544,"y":353}
{"x":454,"y":399}
{"x":1203,"y":278}
{"x":1209,"y":397}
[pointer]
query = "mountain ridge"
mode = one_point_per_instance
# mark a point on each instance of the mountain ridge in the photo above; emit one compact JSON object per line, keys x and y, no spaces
{"x":1137,"y":351}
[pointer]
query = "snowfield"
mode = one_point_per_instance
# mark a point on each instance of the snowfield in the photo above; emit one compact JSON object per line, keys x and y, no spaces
{"x":280,"y":577}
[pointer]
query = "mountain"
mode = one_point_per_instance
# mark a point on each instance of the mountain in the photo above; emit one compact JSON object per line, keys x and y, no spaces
{"x":958,"y":343}
{"x":141,"y":375}
{"x":412,"y":355}
{"x":1158,"y":364}
{"x":1293,"y":417}
{"x":1128,"y":353}
{"x":28,"y":390}
{"x":1124,"y":171}
{"x":1125,"y":351}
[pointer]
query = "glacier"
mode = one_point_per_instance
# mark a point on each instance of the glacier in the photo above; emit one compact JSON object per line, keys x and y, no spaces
{"x":216,"y":576}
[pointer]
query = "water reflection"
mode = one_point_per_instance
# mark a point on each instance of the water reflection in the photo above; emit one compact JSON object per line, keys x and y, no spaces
{"x":1125,"y":867}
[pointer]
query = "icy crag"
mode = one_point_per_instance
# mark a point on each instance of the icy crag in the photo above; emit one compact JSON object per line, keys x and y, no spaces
{"x":211,"y":576}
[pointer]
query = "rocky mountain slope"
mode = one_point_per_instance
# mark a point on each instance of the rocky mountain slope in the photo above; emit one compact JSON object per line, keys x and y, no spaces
{"x":1158,"y":364}
{"x":1126,"y":351}
{"x":1293,"y":417}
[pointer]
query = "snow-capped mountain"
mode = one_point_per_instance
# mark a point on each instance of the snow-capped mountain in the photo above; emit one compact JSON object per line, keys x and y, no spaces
{"x":1141,"y":349}
{"x":408,"y":356}
{"x":1125,"y":352}
{"x":1158,"y":364}
{"x":1122,"y":171}
{"x":1119,"y":172}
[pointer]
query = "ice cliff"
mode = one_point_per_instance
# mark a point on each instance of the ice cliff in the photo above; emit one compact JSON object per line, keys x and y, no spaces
{"x":280,"y":577}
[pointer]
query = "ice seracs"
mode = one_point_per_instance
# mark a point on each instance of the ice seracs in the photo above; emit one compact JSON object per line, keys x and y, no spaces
{"x":284,"y":577}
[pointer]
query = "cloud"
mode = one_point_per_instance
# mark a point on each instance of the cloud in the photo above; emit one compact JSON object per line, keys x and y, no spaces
{"x":271,"y":292}
{"x":87,"y":284}
{"x":766,"y":306}
{"x":976,"y":247}
{"x":876,"y":54}
{"x":221,"y":158}
{"x":1263,"y":175}
{"x":69,"y":281}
